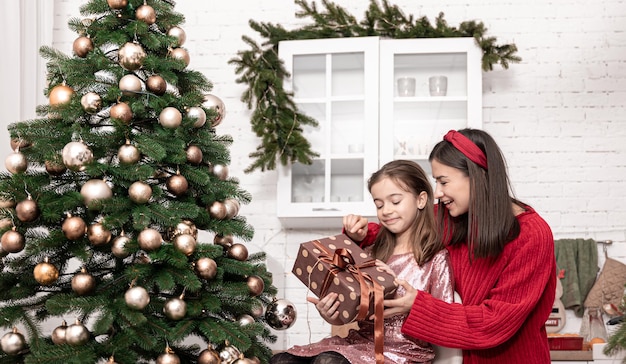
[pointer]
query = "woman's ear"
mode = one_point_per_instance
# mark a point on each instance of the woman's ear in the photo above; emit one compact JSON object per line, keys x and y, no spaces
{"x":422,"y":199}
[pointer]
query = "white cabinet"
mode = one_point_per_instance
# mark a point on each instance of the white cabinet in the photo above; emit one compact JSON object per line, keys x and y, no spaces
{"x":355,"y":89}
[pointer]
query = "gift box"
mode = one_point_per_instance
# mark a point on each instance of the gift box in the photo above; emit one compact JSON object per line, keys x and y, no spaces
{"x":337,"y":264}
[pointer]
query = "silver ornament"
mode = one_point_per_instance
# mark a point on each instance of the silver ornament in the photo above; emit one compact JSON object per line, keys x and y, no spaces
{"x":76,"y":334}
{"x":281,"y":314}
{"x":118,"y":247}
{"x":91,"y":102}
{"x":217,"y":105}
{"x":170,"y":117}
{"x":131,"y":56}
{"x":137,"y":298}
{"x":197,"y":113}
{"x":179,"y":34}
{"x":130,"y":85}
{"x":128,"y":154}
{"x":175,"y":308}
{"x":76,"y":155}
{"x":13,"y":342}
{"x":16,"y":162}
{"x":95,"y":190}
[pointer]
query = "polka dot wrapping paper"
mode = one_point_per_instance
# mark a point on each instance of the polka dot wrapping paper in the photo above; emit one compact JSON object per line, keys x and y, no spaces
{"x":337,"y":264}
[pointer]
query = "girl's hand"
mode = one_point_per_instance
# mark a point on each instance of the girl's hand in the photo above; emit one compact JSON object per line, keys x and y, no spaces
{"x":382,"y":266}
{"x":401,"y":305}
{"x":355,"y":226}
{"x":327,"y":307}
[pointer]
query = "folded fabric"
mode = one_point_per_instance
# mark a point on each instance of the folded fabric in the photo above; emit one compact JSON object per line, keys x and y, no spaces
{"x":577,"y":264}
{"x":609,"y":287}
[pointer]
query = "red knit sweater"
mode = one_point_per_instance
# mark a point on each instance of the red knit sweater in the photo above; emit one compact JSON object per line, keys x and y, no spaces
{"x":506,"y":301}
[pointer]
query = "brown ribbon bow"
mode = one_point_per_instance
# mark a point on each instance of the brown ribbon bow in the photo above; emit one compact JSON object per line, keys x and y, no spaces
{"x":342,"y":260}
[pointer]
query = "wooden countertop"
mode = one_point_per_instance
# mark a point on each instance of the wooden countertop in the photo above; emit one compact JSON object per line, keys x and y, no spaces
{"x":571,"y":355}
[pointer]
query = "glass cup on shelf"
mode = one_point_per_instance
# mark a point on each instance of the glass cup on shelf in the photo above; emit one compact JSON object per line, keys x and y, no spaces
{"x":438,"y":85}
{"x":406,"y":86}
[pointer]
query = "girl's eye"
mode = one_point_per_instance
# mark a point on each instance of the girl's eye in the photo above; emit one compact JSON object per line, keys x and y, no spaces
{"x":378,"y":207}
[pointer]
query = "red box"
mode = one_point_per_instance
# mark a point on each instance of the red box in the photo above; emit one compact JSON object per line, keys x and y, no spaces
{"x":565,"y":342}
{"x":337,"y":264}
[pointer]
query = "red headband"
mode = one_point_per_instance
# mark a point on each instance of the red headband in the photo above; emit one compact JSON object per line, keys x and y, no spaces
{"x":467,"y":147}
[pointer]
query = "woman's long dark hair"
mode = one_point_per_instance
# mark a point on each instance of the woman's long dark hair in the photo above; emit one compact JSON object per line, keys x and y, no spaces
{"x":424,"y":237}
{"x":490,"y":222}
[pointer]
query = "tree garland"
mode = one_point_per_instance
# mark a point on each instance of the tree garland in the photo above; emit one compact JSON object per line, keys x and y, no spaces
{"x":276,"y":119}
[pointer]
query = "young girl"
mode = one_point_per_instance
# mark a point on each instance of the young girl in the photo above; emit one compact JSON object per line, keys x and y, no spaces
{"x":502,"y":256}
{"x":409,"y":244}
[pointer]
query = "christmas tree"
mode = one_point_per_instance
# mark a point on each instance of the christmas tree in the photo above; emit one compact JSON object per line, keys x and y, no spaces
{"x":103,"y":200}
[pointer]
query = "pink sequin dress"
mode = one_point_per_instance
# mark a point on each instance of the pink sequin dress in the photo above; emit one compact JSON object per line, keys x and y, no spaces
{"x":358,"y":347}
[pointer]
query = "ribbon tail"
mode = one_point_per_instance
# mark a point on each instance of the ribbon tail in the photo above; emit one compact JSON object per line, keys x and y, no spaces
{"x":379,"y":324}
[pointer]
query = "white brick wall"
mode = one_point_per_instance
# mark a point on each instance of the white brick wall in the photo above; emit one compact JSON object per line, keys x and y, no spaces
{"x":559,"y":115}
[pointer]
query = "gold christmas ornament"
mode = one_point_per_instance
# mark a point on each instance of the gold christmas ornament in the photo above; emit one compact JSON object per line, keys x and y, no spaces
{"x":19,"y":143}
{"x":194,"y":155}
{"x":91,"y":102}
{"x":217,"y":210}
{"x":238,"y":251}
{"x":117,"y":4}
{"x":170,"y":117}
{"x":131,"y":56}
{"x":140,"y":192}
{"x":255,"y":285}
{"x":168,"y":357}
{"x":257,"y":309}
{"x":220,"y":171}
{"x":175,"y":308}
{"x":128,"y":154}
{"x":74,"y":227}
{"x":206,"y":268}
{"x":121,"y":111}
{"x":118,"y":247}
{"x":245,"y":319}
{"x":281,"y":314}
{"x":181,"y":54}
{"x":60,"y":95}
{"x":214,"y":103}
{"x":177,"y":184}
{"x":27,"y":210}
{"x":55,"y":168}
{"x":76,"y":155}
{"x":130,"y":85}
{"x":77,"y":334}
{"x":179,"y":35}
{"x":46,"y":273}
{"x":156,"y":84}
{"x":58,"y":334}
{"x":13,"y":241}
{"x":209,"y":356}
{"x":98,"y":234}
{"x":146,"y":14}
{"x":16,"y":162}
{"x":137,"y":298}
{"x":198,"y":115}
{"x":82,"y":46}
{"x":185,"y":243}
{"x":150,"y":239}
{"x":226,"y":241}
{"x":232,"y":207}
{"x":94,"y":191}
{"x":229,"y":354}
{"x":183,"y":227}
{"x":13,"y":342}
{"x":83,"y":283}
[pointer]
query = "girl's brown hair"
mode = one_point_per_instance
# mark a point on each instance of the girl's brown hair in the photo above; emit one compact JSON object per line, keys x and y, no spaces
{"x":490,"y":222}
{"x":425,"y":240}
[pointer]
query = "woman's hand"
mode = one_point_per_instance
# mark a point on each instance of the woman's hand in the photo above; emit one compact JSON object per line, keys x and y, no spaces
{"x":327,"y":307}
{"x":401,"y":305}
{"x":355,"y":226}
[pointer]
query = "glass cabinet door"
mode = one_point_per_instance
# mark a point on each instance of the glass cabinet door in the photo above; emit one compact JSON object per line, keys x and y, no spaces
{"x":427,"y":87}
{"x":331,"y":82}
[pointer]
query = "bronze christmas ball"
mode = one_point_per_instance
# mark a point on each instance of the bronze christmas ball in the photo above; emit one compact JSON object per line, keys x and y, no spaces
{"x":137,"y":298}
{"x":226,"y":241}
{"x":183,"y":227}
{"x":149,"y":239}
{"x":156,"y":84}
{"x":46,"y":273}
{"x":91,"y":102}
{"x":177,"y":184}
{"x":229,"y":354}
{"x":131,"y":56}
{"x":117,"y":4}
{"x":198,"y":115}
{"x":255,"y":285}
{"x":220,"y":171}
{"x":232,"y":207}
{"x":257,"y":309}
{"x":27,"y":210}
{"x":206,"y":268}
{"x":146,"y":14}
{"x":215,"y":103}
{"x":185,"y":243}
{"x":94,"y":191}
{"x":170,"y":117}
{"x":98,"y":234}
{"x":13,"y":343}
{"x":74,"y":227}
{"x":19,"y":143}
{"x":128,"y":154}
{"x":60,"y":95}
{"x":217,"y":210}
{"x":83,"y":283}
{"x":55,"y":168}
{"x":121,"y":111}
{"x":77,"y":334}
{"x":82,"y":46}
{"x":130,"y":85}
{"x":118,"y":247}
{"x":209,"y":356}
{"x":181,"y":54}
{"x":140,"y":192}
{"x":76,"y":155}
{"x":58,"y":334}
{"x":175,"y":308}
{"x":238,"y":251}
{"x":168,"y":358}
{"x":194,"y":155}
{"x":13,"y":241}
{"x":179,"y":35}
{"x":245,"y":319}
{"x":16,"y":162}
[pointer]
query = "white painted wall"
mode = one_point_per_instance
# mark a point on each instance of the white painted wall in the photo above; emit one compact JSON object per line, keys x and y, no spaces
{"x":560,"y":115}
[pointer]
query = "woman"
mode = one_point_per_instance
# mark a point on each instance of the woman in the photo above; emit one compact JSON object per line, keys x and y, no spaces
{"x":502,"y":256}
{"x":408,"y":242}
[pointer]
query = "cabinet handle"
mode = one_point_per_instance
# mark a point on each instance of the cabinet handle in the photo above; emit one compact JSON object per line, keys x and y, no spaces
{"x":324,"y":209}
